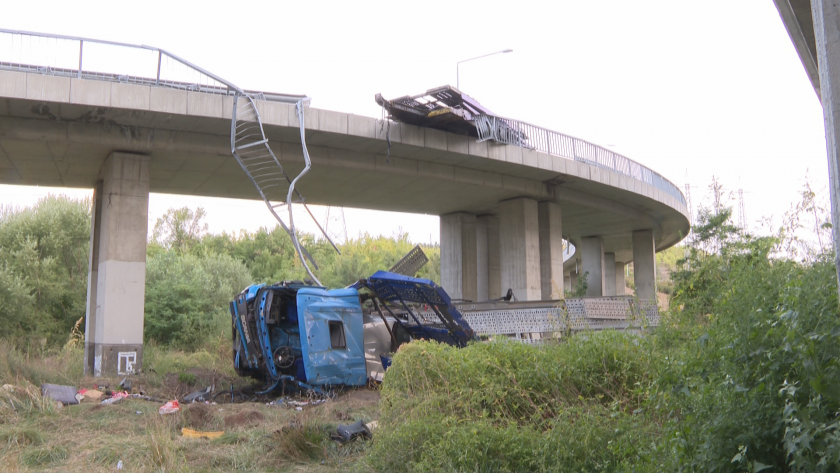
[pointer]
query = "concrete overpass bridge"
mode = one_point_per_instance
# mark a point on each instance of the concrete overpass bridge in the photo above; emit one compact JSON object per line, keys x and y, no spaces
{"x":505,"y":209}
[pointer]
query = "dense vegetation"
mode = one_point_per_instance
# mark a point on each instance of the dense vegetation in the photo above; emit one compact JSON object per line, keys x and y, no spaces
{"x":741,"y":375}
{"x":190,"y":274}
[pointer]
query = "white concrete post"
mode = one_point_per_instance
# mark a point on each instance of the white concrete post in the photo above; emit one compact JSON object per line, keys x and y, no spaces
{"x":116,"y":338}
{"x":458,"y":256}
{"x":826,"y":14}
{"x":644,"y":264}
{"x":519,"y":242}
{"x":620,"y":282}
{"x":551,"y":251}
{"x":592,"y":255}
{"x":609,"y":274}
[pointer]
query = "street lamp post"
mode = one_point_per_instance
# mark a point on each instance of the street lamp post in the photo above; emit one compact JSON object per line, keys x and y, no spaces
{"x":457,"y":66}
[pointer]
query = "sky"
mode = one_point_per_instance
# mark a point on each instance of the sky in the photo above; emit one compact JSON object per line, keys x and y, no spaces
{"x":690,"y":89}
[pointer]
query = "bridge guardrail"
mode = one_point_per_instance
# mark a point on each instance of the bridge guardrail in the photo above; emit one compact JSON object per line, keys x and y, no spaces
{"x":94,"y":59}
{"x":519,"y":133}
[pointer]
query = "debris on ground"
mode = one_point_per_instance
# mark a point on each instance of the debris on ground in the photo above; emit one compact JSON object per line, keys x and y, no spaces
{"x":244,"y":418}
{"x":198,"y":396}
{"x":169,"y":408}
{"x":125,"y":384}
{"x":347,"y":433}
{"x":116,"y":397}
{"x":197,"y":434}
{"x":63,"y":394}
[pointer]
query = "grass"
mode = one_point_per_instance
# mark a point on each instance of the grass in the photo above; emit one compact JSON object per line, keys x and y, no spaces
{"x":37,"y":435}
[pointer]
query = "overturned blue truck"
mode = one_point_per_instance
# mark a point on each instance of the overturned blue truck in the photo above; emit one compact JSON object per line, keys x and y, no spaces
{"x":319,"y":338}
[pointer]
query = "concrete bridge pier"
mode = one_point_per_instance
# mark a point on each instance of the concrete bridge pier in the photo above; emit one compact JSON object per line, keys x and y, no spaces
{"x":620,"y":281}
{"x":592,"y":256}
{"x":519,"y":245}
{"x":117,"y":267}
{"x":609,"y":274}
{"x":551,"y":251}
{"x":458,"y":255}
{"x":644,"y":264}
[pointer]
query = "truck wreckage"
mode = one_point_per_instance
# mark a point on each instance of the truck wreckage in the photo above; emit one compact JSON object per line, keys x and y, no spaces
{"x":314,"y":338}
{"x":311,"y":337}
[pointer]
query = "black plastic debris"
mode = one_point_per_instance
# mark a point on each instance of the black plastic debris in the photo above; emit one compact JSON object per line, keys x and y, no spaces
{"x":346,"y":433}
{"x":66,"y":395}
{"x":199,"y":396}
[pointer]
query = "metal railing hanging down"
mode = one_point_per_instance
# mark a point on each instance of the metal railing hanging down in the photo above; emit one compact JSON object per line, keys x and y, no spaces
{"x":92,"y":59}
{"x":518,"y":133}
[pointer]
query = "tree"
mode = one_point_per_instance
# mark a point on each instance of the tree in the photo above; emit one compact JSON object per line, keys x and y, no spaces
{"x":180,"y":229}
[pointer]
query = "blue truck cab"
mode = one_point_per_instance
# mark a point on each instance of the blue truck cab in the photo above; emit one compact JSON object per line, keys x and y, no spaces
{"x":321,"y":337}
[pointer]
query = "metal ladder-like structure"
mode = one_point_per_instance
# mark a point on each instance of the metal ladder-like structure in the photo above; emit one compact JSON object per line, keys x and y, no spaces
{"x":250,"y":147}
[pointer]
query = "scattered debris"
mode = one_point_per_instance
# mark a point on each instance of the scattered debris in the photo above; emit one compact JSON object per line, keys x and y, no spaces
{"x":62,"y":394}
{"x":372,"y":425}
{"x":125,"y":384}
{"x":92,"y":394}
{"x":8,"y":387}
{"x":244,"y":418}
{"x":197,"y":434}
{"x":169,"y":408}
{"x":200,"y":395}
{"x":116,"y":397}
{"x":119,"y":465}
{"x":346,"y":433}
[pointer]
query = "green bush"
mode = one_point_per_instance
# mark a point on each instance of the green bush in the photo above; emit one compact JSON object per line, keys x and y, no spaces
{"x":43,"y":269}
{"x":187,"y":296}
{"x":753,"y":380}
{"x":507,"y":406}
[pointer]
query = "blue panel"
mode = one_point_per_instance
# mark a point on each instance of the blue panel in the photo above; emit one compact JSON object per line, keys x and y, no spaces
{"x":251,"y":291}
{"x":324,"y":365}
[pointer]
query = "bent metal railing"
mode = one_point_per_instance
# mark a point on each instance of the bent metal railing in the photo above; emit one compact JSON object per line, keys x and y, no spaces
{"x":84,"y":58}
{"x":525,"y":135}
{"x":539,"y":321}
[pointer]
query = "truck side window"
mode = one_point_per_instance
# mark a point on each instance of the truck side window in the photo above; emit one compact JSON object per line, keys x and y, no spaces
{"x":337,"y":339}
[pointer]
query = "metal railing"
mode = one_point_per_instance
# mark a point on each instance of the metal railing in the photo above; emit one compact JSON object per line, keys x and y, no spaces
{"x":518,"y":133}
{"x":84,"y":58}
{"x":94,"y":59}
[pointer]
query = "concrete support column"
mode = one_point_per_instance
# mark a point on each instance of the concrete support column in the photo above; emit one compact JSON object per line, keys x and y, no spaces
{"x":573,"y":276}
{"x":592,"y":254}
{"x":93,"y":277}
{"x":620,"y":282}
{"x":519,"y":243}
{"x":609,"y":274}
{"x":551,"y":251}
{"x":494,"y":259}
{"x":114,"y":325}
{"x":458,"y":257}
{"x":487,"y":249}
{"x":826,"y":17}
{"x":644,"y":264}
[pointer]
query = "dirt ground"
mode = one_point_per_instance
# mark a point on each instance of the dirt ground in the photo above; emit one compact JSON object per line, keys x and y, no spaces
{"x":257,"y":436}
